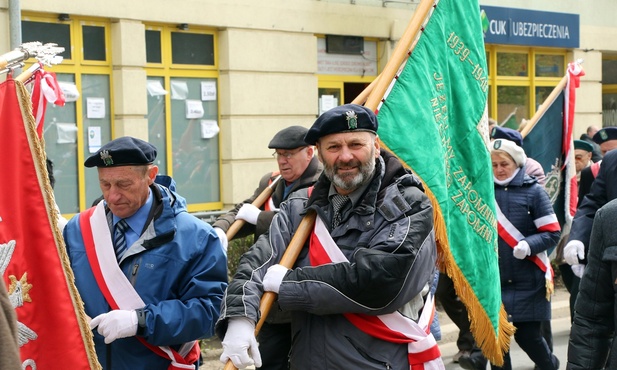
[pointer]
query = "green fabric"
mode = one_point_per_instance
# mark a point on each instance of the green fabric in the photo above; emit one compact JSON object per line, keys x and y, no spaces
{"x":431,"y":121}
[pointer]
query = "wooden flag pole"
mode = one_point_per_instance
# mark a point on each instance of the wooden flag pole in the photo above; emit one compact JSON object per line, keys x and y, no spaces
{"x":258,"y":202}
{"x":401,"y":52}
{"x":374,"y":97}
{"x":547,"y":103}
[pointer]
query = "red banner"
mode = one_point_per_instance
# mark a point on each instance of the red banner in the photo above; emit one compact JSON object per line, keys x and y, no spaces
{"x":52,"y":324}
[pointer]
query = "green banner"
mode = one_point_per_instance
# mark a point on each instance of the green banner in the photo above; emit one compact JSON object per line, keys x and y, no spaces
{"x":435,"y":120}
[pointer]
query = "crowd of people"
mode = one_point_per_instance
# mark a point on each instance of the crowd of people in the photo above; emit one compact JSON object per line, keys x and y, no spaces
{"x":154,"y":282}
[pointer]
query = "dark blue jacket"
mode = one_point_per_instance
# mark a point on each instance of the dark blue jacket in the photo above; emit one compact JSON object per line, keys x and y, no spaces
{"x":179,"y":270}
{"x":523,"y":287}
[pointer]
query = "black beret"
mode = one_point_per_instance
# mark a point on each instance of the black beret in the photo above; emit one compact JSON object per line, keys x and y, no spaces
{"x":344,"y":118}
{"x":289,"y":138}
{"x":508,"y":134}
{"x":123,"y":151}
{"x":605,"y":134}
{"x":583,"y":145}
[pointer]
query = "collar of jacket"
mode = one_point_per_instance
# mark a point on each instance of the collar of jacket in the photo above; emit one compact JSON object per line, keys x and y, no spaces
{"x":521,"y":179}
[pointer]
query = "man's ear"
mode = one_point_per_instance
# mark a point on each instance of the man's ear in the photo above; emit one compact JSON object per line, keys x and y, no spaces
{"x":377,"y":146}
{"x":152,"y":172}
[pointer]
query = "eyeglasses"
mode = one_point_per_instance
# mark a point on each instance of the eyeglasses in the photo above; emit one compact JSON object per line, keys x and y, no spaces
{"x":287,"y":154}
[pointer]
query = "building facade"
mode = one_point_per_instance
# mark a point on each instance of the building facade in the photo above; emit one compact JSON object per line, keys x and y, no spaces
{"x":209,"y":82}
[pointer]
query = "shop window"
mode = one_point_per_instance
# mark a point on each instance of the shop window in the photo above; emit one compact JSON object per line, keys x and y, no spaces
{"x":45,"y":33}
{"x":192,"y":48}
{"x":609,"y":71}
{"x":609,"y":109}
{"x":156,"y":120}
{"x":549,"y":65}
{"x":512,"y":105}
{"x":94,"y":43}
{"x":512,"y":64}
{"x":153,"y":46}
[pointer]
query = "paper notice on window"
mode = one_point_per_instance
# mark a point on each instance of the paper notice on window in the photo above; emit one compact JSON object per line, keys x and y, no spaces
{"x":179,"y":90}
{"x":194,"y":109}
{"x":95,"y":108}
{"x":209,"y":129}
{"x":208,"y":90}
{"x":155,"y":88}
{"x":94,"y":138}
{"x":327,"y":102}
{"x":67,"y":133}
{"x":70,"y":91}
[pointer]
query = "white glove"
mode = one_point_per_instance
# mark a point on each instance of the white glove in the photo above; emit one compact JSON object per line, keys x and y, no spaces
{"x":573,"y":252}
{"x":239,"y":341}
{"x":578,"y":270}
{"x":521,"y":250}
{"x":248,"y":213}
{"x":115,"y":324}
{"x":222,"y":237}
{"x":273,"y":278}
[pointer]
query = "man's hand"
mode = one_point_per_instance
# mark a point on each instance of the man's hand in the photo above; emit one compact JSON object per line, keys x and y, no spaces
{"x":578,"y":269}
{"x":115,"y":324}
{"x":273,"y":278}
{"x":239,"y":344}
{"x":521,"y":250}
{"x":248,"y":213}
{"x":573,"y":252}
{"x":223,"y":237}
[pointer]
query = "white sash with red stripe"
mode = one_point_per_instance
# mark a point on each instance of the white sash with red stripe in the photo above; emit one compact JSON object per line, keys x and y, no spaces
{"x":510,"y":234}
{"x":123,"y":295}
{"x":423,"y":351}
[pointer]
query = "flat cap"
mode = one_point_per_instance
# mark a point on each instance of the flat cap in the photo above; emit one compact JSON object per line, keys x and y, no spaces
{"x":123,"y":151}
{"x":508,"y":134}
{"x":605,"y":134}
{"x":583,"y":145}
{"x":344,"y":118}
{"x":291,"y":137}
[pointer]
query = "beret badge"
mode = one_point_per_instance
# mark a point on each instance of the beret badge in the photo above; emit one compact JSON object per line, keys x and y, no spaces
{"x":106,"y":158}
{"x":352,"y":119}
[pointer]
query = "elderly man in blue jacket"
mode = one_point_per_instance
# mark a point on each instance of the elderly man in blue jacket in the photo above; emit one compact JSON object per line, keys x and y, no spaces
{"x":151,"y":275}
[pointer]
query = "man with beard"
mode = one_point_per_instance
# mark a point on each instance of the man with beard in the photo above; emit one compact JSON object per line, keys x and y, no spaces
{"x":363,"y":276}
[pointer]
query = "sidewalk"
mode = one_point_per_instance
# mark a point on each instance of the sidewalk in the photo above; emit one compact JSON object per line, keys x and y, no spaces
{"x":449,"y":331}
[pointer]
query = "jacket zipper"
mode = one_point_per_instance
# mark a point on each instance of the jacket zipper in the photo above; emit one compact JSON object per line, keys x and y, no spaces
{"x":367,"y":357}
{"x":134,"y":273}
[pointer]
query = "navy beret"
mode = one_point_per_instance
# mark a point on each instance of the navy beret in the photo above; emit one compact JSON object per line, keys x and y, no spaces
{"x":583,"y":145}
{"x":605,"y":134}
{"x":344,"y":118}
{"x":289,"y":138}
{"x":508,"y":134}
{"x":123,"y":151}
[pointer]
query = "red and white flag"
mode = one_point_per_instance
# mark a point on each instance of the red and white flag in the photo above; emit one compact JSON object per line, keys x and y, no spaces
{"x":53,"y":329}
{"x":45,"y":89}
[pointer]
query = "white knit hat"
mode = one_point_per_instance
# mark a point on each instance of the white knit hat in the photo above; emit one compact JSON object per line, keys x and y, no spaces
{"x":516,"y":152}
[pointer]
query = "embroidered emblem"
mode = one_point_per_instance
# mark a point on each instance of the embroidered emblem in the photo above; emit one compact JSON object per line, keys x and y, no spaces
{"x":497,"y":144}
{"x":106,"y":157}
{"x":603,"y":135}
{"x":352,"y":119}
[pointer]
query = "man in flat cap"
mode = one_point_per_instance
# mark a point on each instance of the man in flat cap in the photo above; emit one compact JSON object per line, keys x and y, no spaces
{"x":603,"y":190}
{"x":151,"y":275}
{"x":362,"y":277}
{"x":588,"y":137}
{"x":298,"y":168}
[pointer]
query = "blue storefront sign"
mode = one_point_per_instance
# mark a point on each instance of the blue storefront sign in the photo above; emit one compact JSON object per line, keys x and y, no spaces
{"x":528,"y":27}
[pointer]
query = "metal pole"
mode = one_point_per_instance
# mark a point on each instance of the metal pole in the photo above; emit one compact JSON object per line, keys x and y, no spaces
{"x":15,"y":27}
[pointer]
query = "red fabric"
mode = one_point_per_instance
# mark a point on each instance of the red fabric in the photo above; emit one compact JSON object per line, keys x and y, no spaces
{"x":86,"y":233}
{"x":512,"y":242}
{"x":46,"y":88}
{"x":48,"y":306}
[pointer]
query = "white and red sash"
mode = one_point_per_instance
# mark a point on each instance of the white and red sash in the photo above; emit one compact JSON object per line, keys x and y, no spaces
{"x":116,"y":288}
{"x":423,"y":351}
{"x":512,"y":236}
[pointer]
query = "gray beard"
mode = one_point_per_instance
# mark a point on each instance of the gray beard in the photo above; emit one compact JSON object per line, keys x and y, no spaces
{"x":350,"y":184}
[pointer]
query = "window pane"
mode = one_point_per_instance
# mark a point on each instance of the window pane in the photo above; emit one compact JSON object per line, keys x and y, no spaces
{"x":192,"y":48}
{"x":542,"y":93}
{"x":512,"y":105}
{"x":94,"y":43}
{"x":61,"y":147}
{"x":328,"y":98}
{"x":195,"y":157}
{"x":609,"y":110}
{"x":512,"y":64}
{"x":45,"y":33}
{"x":609,"y":71}
{"x":156,"y":121}
{"x":94,"y":86}
{"x":549,"y":65}
{"x":153,"y":46}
